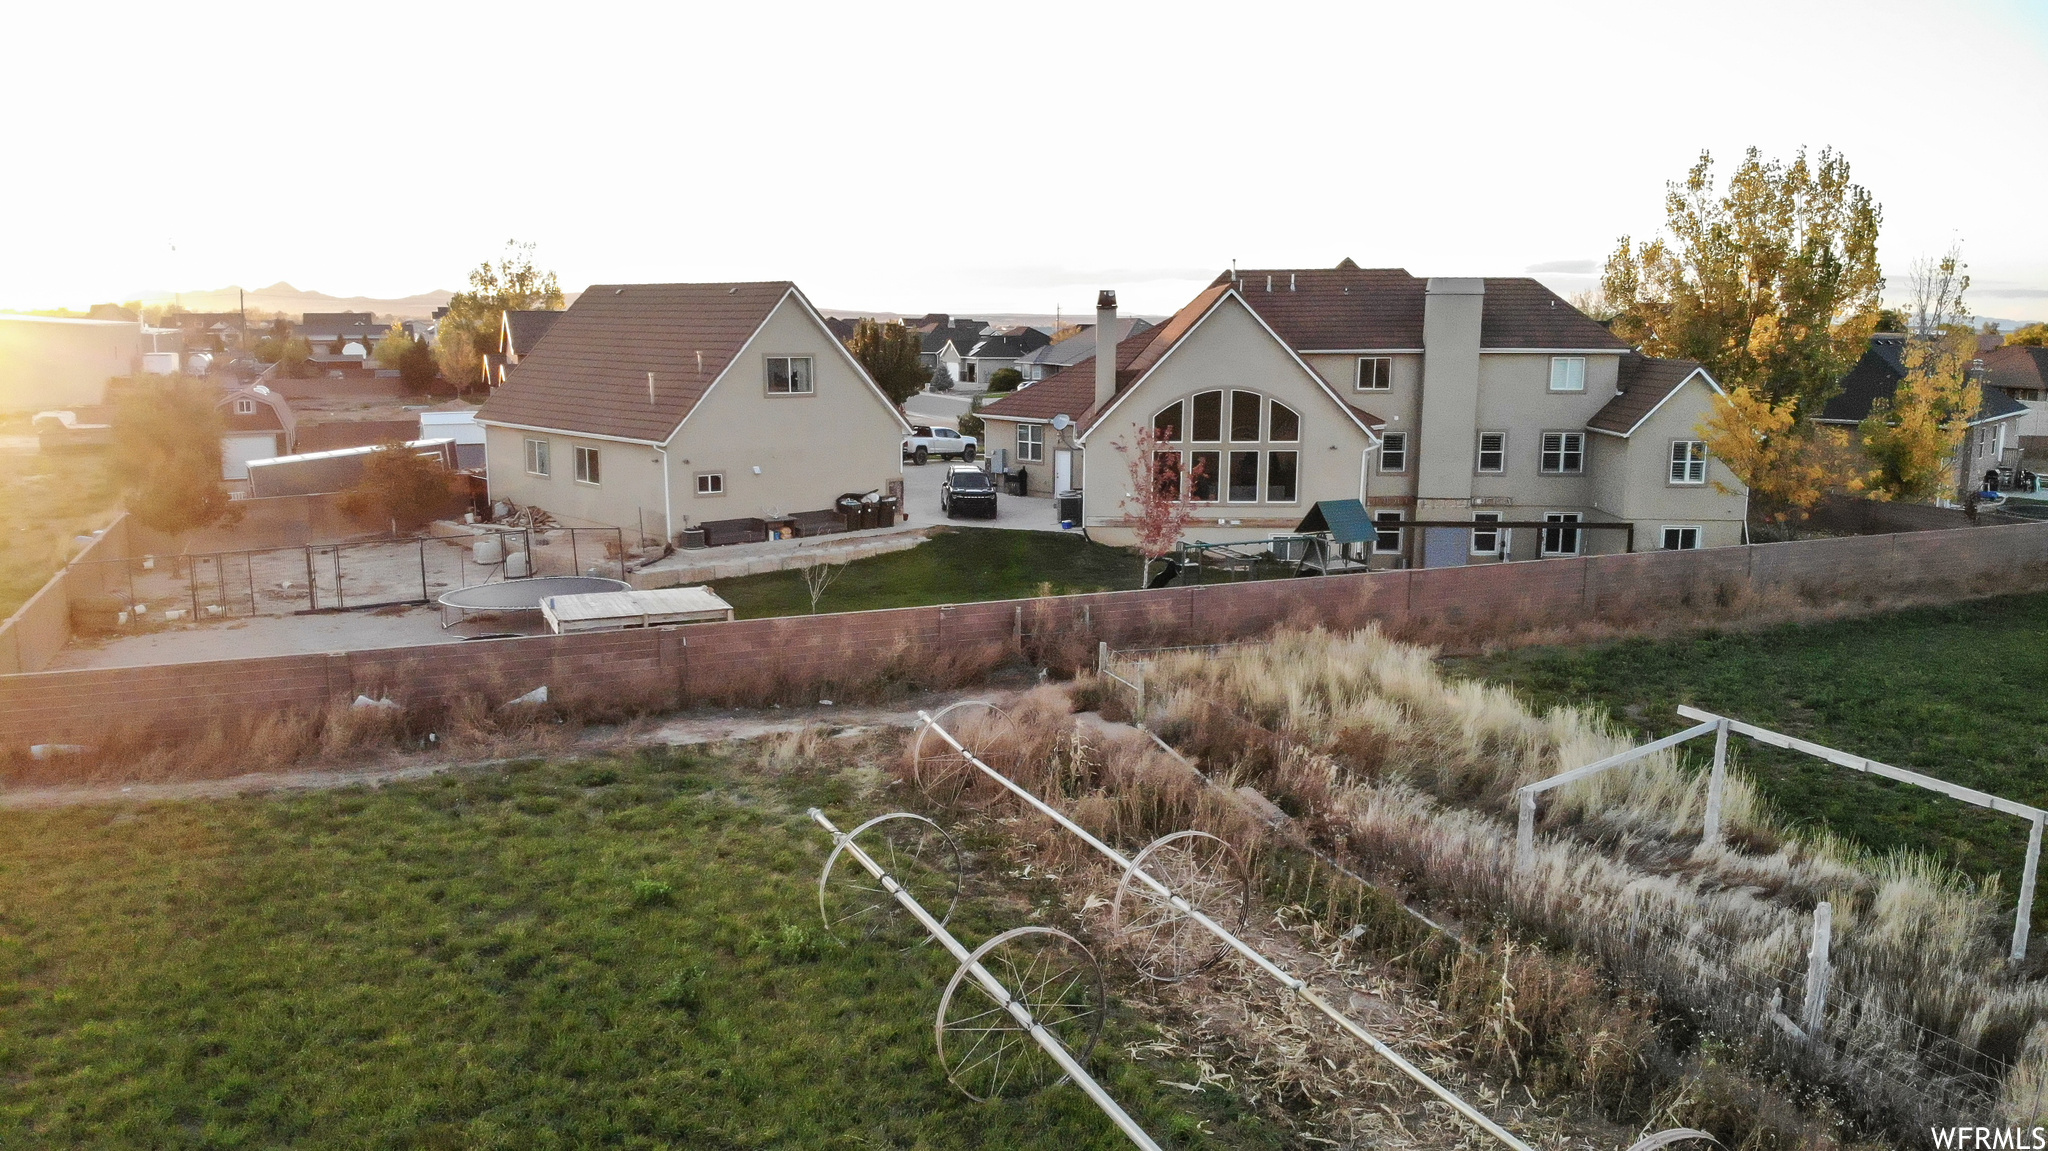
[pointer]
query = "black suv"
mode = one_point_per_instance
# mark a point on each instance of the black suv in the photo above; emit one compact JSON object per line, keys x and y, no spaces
{"x":967,"y":489}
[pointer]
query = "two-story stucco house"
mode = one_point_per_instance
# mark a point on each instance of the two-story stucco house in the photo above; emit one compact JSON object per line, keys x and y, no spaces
{"x":1441,"y":403}
{"x":657,"y":407}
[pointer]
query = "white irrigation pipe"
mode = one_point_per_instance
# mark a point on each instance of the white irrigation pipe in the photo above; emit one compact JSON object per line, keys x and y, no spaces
{"x":1298,"y":986}
{"x":995,"y":989}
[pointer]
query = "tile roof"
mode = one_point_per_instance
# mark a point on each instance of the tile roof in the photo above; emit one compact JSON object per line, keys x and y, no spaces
{"x":334,"y":325}
{"x":1877,"y":376}
{"x":964,"y":335}
{"x":1071,"y":389}
{"x":1644,"y":382}
{"x":524,"y":329}
{"x":2017,"y":369}
{"x":590,"y":373}
{"x":1345,"y":308}
{"x":1003,"y":347}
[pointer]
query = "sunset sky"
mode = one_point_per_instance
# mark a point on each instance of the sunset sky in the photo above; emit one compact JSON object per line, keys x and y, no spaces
{"x":986,"y":158}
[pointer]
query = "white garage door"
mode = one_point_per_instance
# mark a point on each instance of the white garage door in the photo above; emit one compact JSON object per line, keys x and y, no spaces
{"x":238,"y":448}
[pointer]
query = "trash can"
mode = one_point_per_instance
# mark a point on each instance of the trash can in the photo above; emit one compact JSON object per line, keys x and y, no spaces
{"x":1070,"y":506}
{"x":1016,"y":482}
{"x":885,"y":512}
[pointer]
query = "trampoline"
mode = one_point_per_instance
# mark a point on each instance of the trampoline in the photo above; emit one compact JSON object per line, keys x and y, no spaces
{"x":520,"y":594}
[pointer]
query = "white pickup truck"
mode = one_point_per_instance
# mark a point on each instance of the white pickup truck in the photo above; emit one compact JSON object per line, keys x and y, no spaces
{"x":925,"y":442}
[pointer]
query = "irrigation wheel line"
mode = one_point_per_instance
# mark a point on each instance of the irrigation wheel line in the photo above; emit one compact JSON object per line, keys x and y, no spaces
{"x":1166,"y":945}
{"x":1298,"y":986}
{"x":1014,"y":1006}
{"x":921,"y":857}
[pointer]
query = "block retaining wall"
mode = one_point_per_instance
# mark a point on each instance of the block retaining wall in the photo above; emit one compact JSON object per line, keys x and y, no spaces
{"x":705,"y":663}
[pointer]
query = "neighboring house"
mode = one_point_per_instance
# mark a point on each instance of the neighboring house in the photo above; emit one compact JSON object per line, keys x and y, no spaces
{"x":1037,"y":365}
{"x":1993,"y":438}
{"x":670,"y":405}
{"x":842,"y":327}
{"x":208,"y":331}
{"x":1447,"y":401}
{"x":520,"y":332}
{"x":2022,"y":373}
{"x":946,"y":343}
{"x":257,"y":424}
{"x":48,"y":363}
{"x":460,"y":426}
{"x":337,"y":336}
{"x":1001,"y":349}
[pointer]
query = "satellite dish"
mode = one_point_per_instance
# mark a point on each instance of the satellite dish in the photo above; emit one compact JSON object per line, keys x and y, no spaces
{"x":1060,"y":422}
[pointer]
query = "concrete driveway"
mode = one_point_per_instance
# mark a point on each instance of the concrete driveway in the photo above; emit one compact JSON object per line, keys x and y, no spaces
{"x":921,"y":501}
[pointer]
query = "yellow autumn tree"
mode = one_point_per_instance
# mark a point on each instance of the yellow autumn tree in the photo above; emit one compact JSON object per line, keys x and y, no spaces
{"x":1787,"y":464}
{"x":1912,"y":439}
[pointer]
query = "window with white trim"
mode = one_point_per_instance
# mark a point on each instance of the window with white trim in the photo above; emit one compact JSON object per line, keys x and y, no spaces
{"x":1394,"y":452}
{"x":245,"y":407}
{"x":1031,"y":443}
{"x":710,"y":483}
{"x":1680,"y":537}
{"x":1243,"y":485}
{"x":537,"y":458}
{"x":1561,"y":541}
{"x":1485,"y":540}
{"x":790,"y":376}
{"x":1386,"y":537}
{"x":587,"y":470}
{"x":1205,"y":422}
{"x":1567,"y":373}
{"x":1375,"y":373}
{"x":1564,"y":454}
{"x":1285,"y":425}
{"x":1688,"y":461}
{"x":1493,"y":453}
{"x":1281,"y":471}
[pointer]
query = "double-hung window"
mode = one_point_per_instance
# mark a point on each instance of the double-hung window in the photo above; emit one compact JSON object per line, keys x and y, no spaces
{"x":1375,"y":373}
{"x":537,"y":458}
{"x":1680,"y":538}
{"x":587,"y":466}
{"x":1561,"y":541}
{"x":710,"y":483}
{"x":1493,"y":453}
{"x":1688,"y":461}
{"x":1564,"y":454}
{"x":789,"y":376}
{"x":1394,"y":452}
{"x":1031,"y":443}
{"x":1567,"y":373}
{"x":1485,"y":538}
{"x":1386,"y":532}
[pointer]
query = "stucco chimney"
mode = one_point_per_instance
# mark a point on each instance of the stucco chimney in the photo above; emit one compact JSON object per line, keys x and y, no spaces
{"x":1451,"y":309}
{"x":1105,"y":346}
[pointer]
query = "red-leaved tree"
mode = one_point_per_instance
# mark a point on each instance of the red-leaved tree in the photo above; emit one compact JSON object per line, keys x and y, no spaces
{"x":1157,"y":506}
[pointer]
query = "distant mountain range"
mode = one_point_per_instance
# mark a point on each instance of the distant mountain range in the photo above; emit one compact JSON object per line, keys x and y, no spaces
{"x":282,"y":297}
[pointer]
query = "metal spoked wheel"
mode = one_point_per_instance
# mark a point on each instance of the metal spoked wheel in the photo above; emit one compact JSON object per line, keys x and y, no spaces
{"x":943,"y":774}
{"x":915,"y":852}
{"x":986,"y":1052}
{"x":1163,"y":942}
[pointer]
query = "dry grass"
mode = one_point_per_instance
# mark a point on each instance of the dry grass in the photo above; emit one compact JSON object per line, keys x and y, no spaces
{"x":1413,"y":775}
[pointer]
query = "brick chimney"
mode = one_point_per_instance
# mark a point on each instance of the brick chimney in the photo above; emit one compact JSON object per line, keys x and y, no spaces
{"x":1105,"y":346}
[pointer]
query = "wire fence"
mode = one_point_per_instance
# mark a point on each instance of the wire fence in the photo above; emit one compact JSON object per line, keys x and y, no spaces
{"x":1871,"y":1051}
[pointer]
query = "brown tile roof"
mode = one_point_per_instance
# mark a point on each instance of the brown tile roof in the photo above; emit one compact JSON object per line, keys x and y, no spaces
{"x":590,"y":373}
{"x":524,"y":329}
{"x":2017,"y":369}
{"x":1644,"y":383}
{"x":1342,"y":308}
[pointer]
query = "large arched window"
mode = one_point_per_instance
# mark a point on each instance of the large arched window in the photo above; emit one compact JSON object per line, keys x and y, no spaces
{"x":1252,"y":469}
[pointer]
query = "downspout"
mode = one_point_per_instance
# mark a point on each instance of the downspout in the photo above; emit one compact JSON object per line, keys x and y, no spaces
{"x":668,"y":519}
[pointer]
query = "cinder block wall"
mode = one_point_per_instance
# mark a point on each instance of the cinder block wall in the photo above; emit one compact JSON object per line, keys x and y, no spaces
{"x":39,"y":629}
{"x":710,"y":662}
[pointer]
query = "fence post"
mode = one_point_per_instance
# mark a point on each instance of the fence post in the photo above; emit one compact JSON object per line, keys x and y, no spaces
{"x":1141,"y":693}
{"x":1717,"y":783}
{"x":2024,"y":918}
{"x":1101,"y":656}
{"x":1525,"y":830}
{"x":1813,"y":1011}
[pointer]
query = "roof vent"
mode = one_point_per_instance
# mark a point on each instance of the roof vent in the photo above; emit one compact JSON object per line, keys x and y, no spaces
{"x":733,"y":291}
{"x":618,"y":291}
{"x":1290,"y":281}
{"x":1269,"y":281}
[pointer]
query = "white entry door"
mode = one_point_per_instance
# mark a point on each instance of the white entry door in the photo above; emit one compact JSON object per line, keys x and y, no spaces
{"x":1062,"y":471}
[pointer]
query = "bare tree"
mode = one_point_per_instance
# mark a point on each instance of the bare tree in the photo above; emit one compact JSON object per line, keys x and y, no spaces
{"x":1938,"y":286}
{"x":818,"y":577}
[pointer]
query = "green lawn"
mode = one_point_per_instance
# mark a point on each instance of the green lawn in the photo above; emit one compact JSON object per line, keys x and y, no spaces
{"x":954,"y":566}
{"x":45,"y":499}
{"x":493,"y":960}
{"x":1958,"y":692}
